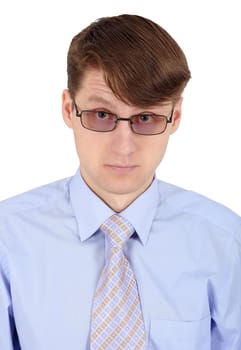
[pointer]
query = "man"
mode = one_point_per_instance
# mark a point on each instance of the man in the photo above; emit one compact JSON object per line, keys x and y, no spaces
{"x":179,"y":256}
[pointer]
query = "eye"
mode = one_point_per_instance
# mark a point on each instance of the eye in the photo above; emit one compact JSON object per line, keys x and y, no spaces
{"x":102,"y":115}
{"x":145,"y":118}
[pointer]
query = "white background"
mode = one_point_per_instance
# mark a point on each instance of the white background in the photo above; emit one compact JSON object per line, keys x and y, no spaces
{"x":37,"y":148}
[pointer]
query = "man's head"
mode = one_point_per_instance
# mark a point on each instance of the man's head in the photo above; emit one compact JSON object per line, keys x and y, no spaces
{"x":142,"y":63}
{"x":130,"y":73}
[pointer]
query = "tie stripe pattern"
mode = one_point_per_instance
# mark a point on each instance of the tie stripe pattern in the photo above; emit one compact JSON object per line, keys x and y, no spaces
{"x":117,"y":321}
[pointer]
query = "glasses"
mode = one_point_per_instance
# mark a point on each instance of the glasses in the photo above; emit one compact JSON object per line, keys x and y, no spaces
{"x":141,"y":124}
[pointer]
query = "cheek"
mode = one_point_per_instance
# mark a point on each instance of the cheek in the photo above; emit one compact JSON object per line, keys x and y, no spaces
{"x":158,"y":148}
{"x":80,"y":143}
{"x":88,"y":147}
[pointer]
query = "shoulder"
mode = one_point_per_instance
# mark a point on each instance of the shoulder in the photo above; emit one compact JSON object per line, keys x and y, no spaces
{"x":197,"y":208}
{"x":30,"y":218}
{"x":36,"y":198}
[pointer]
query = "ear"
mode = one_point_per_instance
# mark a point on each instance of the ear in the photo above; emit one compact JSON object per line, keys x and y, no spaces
{"x":67,"y":108}
{"x":176,"y":118}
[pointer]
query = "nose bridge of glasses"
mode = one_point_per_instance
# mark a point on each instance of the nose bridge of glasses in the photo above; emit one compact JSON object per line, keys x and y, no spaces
{"x":124,"y":119}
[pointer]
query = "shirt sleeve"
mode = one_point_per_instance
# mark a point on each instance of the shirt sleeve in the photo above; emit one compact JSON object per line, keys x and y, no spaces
{"x":226,"y":326}
{"x":8,"y":337}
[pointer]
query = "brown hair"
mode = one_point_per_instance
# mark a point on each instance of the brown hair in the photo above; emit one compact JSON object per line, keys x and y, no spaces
{"x":142,"y":63}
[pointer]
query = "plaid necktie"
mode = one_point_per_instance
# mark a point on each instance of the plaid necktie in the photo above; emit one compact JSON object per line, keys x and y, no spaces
{"x":117,"y":321}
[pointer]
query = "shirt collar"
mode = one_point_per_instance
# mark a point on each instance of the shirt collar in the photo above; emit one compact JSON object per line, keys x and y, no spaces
{"x":142,"y":211}
{"x":90,"y":211}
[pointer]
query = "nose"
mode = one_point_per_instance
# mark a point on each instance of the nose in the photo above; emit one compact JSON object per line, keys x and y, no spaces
{"x":123,"y":139}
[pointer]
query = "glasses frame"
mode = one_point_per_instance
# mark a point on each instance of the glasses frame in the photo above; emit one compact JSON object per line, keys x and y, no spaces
{"x":79,"y":112}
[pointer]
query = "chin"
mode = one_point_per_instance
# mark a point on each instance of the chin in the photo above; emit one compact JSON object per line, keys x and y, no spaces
{"x":123,"y":189}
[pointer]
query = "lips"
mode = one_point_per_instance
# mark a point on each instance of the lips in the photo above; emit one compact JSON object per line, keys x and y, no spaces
{"x":121,"y":168}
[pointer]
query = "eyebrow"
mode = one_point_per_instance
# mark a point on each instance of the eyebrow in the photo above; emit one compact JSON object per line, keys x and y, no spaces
{"x":99,"y":99}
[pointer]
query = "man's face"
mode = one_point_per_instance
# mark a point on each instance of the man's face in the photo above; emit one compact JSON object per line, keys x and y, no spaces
{"x":118,"y":165}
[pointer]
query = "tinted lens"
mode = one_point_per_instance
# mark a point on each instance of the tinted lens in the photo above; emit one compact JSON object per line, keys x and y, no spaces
{"x":98,"y":120}
{"x":149,"y":124}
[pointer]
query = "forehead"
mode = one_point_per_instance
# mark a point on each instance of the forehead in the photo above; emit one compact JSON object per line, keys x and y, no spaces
{"x":94,"y":87}
{"x":95,"y":92}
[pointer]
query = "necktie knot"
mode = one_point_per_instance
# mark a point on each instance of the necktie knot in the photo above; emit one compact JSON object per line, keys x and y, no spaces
{"x":118,"y":229}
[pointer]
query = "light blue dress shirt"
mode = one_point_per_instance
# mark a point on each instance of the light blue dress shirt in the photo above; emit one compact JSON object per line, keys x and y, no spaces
{"x":186,"y":255}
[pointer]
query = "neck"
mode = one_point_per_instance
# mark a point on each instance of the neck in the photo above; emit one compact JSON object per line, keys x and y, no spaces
{"x":118,"y":199}
{"x":118,"y":203}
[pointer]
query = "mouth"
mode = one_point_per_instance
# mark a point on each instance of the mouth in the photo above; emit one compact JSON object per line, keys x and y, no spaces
{"x":120,"y":168}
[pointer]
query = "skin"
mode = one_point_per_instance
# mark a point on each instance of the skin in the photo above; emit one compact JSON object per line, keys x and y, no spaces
{"x":119,"y":165}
